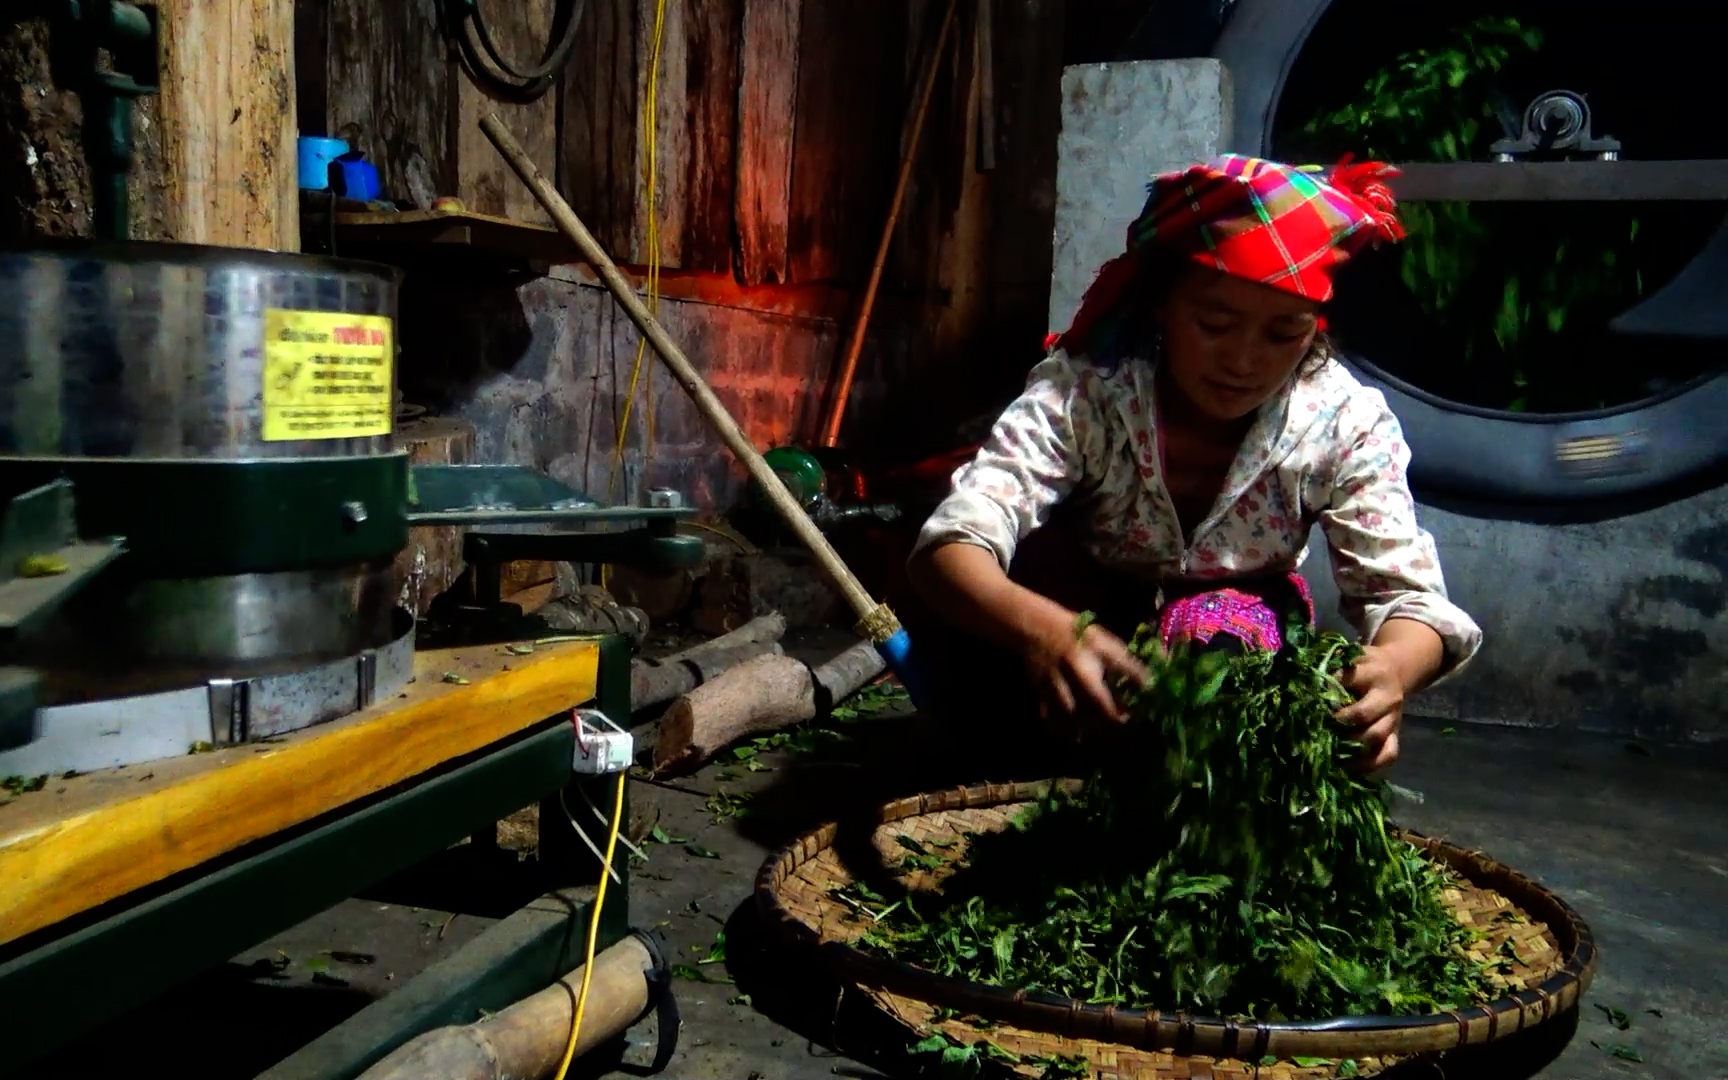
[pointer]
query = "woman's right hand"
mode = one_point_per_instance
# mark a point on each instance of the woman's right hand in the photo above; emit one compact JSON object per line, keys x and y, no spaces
{"x":1074,"y":674}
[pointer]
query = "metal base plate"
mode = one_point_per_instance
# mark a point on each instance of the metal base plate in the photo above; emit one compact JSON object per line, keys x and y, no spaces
{"x":151,"y":727}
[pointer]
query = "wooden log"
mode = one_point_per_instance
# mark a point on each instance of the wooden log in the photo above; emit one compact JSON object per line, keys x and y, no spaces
{"x":527,"y":1040}
{"x":764,"y":695}
{"x":769,"y":627}
{"x":767,"y":105}
{"x":660,"y":681}
{"x":227,"y":123}
{"x":432,"y":561}
{"x":664,"y":678}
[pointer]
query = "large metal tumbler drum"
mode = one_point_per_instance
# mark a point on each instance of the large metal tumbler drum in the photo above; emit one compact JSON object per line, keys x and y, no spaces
{"x":230,"y":413}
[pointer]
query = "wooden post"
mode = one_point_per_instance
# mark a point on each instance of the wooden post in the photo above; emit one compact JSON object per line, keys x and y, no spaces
{"x":227,"y":123}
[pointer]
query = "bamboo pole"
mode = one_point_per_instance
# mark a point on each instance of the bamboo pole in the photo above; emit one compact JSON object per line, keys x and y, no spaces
{"x":527,"y":1039}
{"x":855,"y":343}
{"x":875,"y":621}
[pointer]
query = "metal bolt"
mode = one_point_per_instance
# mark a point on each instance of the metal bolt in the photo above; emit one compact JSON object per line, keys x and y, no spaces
{"x":354,"y":513}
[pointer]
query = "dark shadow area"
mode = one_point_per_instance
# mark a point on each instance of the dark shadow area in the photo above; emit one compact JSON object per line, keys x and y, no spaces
{"x":224,"y":1025}
{"x":463,"y":324}
{"x":473,"y":878}
{"x":841,"y":1028}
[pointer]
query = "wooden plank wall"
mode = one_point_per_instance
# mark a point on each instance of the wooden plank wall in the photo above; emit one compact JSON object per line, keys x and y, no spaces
{"x":779,"y":127}
{"x":378,"y":75}
{"x":767,"y":107}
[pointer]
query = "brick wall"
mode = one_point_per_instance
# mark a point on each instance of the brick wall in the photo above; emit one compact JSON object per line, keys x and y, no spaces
{"x":542,"y":369}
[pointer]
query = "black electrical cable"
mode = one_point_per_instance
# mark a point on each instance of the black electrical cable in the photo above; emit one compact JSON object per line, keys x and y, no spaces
{"x":477,"y":42}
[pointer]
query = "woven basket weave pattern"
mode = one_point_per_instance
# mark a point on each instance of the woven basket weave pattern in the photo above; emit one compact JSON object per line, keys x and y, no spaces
{"x":1546,"y":955}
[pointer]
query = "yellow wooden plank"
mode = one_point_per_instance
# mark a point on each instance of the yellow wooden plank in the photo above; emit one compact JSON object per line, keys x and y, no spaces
{"x":54,"y":869}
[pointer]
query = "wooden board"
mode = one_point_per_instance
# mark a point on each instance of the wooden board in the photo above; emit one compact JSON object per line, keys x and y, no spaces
{"x":599,"y":174}
{"x":767,"y":107}
{"x":383,"y":80}
{"x":227,"y":123}
{"x":672,"y":122}
{"x":521,"y":30}
{"x":411,"y":228}
{"x":711,"y":86}
{"x":83,"y":841}
{"x":846,"y":145}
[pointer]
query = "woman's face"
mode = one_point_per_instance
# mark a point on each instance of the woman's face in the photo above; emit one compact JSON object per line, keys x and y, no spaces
{"x":1229,"y":343}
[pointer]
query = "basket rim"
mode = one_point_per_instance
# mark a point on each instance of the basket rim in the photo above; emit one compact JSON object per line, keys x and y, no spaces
{"x":1182,"y":1033}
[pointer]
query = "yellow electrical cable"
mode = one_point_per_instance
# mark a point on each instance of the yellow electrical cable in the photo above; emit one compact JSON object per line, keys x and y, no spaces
{"x":593,"y":932}
{"x":650,"y":121}
{"x":738,"y":541}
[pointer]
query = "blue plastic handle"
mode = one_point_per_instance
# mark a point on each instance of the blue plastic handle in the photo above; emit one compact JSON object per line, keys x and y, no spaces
{"x":897,"y":653}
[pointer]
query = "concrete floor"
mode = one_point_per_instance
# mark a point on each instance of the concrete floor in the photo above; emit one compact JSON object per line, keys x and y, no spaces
{"x":1637,"y":840}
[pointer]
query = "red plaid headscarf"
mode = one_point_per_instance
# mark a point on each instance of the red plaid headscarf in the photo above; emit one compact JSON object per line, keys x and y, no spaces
{"x":1274,"y":224}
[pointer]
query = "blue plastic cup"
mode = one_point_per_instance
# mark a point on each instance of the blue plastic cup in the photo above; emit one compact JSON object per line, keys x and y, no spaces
{"x":316,"y":154}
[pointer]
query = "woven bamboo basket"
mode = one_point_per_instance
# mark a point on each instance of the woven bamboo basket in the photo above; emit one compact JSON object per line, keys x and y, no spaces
{"x":795,"y":893}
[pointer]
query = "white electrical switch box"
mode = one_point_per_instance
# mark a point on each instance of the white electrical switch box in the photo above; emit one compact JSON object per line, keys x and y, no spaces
{"x":602,"y":747}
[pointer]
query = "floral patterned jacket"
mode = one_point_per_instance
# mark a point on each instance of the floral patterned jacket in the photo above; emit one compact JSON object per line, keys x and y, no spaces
{"x":1327,"y":450}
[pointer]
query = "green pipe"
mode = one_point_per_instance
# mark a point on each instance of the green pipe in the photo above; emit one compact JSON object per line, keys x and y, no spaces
{"x":129,"y":34}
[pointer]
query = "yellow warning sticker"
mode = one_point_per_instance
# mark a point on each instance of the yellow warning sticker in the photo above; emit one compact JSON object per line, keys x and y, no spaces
{"x":327,"y":375}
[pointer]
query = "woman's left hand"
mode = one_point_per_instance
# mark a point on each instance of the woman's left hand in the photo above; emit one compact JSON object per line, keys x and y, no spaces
{"x":1378,"y":683}
{"x":1405,"y":657}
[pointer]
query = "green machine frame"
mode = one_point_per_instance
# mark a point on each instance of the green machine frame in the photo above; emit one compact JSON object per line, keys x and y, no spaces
{"x":169,"y":933}
{"x":183,"y":927}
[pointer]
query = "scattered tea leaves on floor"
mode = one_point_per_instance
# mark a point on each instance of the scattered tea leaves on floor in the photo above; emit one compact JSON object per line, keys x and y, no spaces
{"x":1617,"y":1017}
{"x":19,"y":785}
{"x":716,"y":950}
{"x":724,"y":805}
{"x":1620,"y":1051}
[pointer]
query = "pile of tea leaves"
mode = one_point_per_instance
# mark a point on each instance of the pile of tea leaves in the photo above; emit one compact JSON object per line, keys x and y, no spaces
{"x":1225,"y":859}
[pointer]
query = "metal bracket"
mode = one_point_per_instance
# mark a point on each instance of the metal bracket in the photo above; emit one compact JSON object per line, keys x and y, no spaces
{"x":229,"y":710}
{"x":1557,"y":122}
{"x":42,"y":560}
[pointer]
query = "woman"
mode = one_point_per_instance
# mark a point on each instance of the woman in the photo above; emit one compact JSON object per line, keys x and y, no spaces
{"x":1173,"y":451}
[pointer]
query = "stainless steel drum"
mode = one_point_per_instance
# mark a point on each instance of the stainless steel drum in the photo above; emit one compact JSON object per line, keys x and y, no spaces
{"x":217,"y":379}
{"x":115,"y":350}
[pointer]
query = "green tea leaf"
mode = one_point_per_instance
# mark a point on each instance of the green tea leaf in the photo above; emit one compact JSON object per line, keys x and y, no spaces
{"x":1617,"y":1017}
{"x":1225,"y":858}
